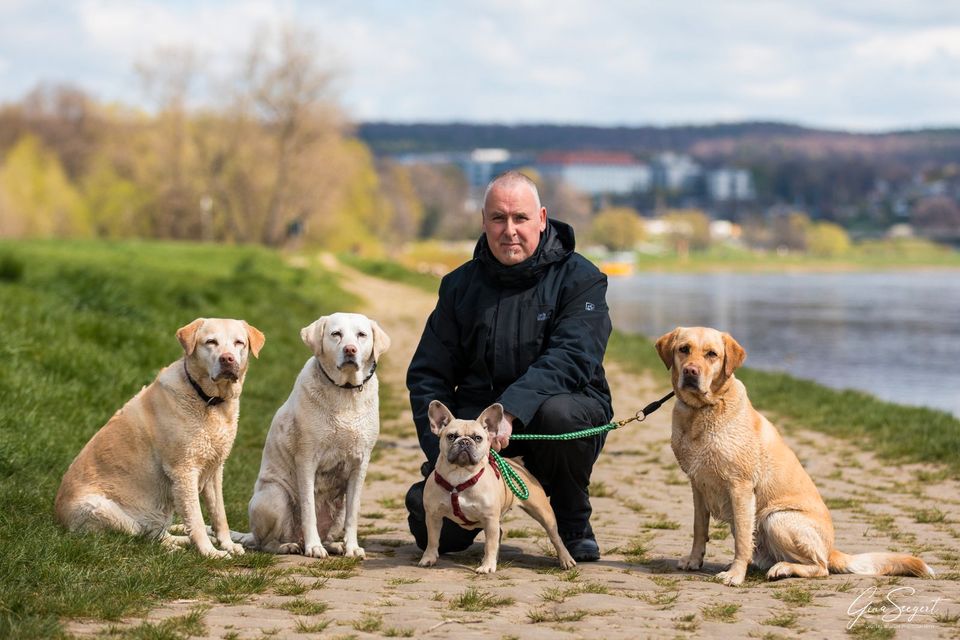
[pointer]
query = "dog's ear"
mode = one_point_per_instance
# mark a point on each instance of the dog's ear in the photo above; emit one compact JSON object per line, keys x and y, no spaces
{"x":312,"y":334}
{"x":439,"y":416}
{"x":665,"y":344}
{"x":188,"y":335}
{"x":381,"y":341}
{"x":733,"y":355}
{"x":255,"y":338}
{"x":491,"y":418}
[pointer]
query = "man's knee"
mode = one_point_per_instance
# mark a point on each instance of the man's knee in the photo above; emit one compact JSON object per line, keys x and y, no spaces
{"x":566,"y":413}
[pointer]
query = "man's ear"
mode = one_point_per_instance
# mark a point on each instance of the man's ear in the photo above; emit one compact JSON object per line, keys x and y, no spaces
{"x":312,"y":334}
{"x":188,"y":335}
{"x":381,"y":341}
{"x":733,"y":355}
{"x":665,"y":344}
{"x":439,"y":416}
{"x":255,"y":338}
{"x":491,"y":418}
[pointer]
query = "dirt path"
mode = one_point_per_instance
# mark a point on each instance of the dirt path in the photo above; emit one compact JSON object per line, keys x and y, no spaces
{"x":643,"y":521}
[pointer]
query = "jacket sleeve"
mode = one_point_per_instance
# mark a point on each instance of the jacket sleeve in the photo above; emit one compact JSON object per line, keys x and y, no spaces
{"x":436,"y":367}
{"x":573,"y":356}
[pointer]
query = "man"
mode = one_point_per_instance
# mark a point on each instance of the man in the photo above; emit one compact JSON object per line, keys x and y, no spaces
{"x":524,"y":323}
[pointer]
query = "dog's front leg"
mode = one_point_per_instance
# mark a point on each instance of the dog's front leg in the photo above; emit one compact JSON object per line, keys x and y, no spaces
{"x":213,"y":496}
{"x":351,"y":547}
{"x":306,"y":485}
{"x":701,"y":525}
{"x":432,"y":552}
{"x":186,"y":499}
{"x":491,"y":545}
{"x":744,"y":504}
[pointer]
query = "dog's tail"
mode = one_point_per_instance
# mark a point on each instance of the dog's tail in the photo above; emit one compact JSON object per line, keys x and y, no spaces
{"x":879,"y":564}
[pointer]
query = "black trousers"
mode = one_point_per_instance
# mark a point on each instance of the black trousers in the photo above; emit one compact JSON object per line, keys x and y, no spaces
{"x":562,"y":467}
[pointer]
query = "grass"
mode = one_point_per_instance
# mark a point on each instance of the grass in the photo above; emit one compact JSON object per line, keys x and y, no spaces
{"x":474,"y":599}
{"x":389,"y":270}
{"x":723,"y":612}
{"x":86,"y":325}
{"x":174,"y":628}
{"x":911,"y":434}
{"x":304,"y":607}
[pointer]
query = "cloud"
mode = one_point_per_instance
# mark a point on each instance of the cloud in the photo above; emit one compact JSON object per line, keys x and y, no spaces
{"x":856,"y":64}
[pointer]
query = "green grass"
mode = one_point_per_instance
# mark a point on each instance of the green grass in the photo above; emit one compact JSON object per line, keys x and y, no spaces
{"x":86,"y":325}
{"x":393,"y":271}
{"x":894,"y":431}
{"x":474,"y":599}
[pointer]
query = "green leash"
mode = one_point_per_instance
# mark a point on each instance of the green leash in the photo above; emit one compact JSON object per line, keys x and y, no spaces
{"x":513,"y":480}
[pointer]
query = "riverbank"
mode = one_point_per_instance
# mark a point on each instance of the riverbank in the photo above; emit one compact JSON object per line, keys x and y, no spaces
{"x":87,"y":325}
{"x":643,"y":520}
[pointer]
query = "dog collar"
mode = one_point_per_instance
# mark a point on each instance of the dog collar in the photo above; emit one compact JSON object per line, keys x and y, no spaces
{"x":348,"y":385}
{"x":455,"y":490}
{"x":210,"y":401}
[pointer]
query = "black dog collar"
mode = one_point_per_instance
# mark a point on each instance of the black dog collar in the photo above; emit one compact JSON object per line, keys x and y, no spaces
{"x":210,"y":401}
{"x":348,"y":385}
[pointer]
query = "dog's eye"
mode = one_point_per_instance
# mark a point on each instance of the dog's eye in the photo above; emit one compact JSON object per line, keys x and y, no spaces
{"x":239,"y":343}
{"x":711,"y":354}
{"x":212,"y":342}
{"x":336,"y":334}
{"x":477,"y":439}
{"x":451,"y":437}
{"x":361,"y":334}
{"x":684,"y":349}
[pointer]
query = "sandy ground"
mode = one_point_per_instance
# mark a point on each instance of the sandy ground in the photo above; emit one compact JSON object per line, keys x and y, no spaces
{"x":643,"y":521}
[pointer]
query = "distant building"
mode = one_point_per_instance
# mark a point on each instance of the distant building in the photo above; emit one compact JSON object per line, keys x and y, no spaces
{"x":675,"y":172}
{"x":596,"y":172}
{"x":725,"y":184}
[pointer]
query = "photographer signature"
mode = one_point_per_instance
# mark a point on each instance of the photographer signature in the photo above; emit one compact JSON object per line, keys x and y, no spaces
{"x":889,"y":609}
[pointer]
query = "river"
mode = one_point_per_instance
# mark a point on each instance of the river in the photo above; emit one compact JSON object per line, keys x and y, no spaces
{"x":895,"y":335}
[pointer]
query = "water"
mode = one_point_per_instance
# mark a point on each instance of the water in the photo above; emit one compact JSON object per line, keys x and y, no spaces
{"x":895,"y":335}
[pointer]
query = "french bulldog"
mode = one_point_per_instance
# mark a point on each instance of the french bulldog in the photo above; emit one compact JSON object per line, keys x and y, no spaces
{"x":466,"y":487}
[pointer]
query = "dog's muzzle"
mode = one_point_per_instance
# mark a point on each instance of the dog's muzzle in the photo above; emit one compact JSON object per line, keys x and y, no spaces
{"x":690,"y":382}
{"x":463,"y":453}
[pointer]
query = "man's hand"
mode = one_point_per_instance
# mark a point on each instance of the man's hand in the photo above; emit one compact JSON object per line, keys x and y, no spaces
{"x":504,"y":431}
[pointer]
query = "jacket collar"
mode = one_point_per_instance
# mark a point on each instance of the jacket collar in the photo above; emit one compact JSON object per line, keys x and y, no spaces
{"x":556,"y":243}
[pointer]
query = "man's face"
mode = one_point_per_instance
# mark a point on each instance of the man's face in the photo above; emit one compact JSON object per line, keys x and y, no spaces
{"x":512,"y":223}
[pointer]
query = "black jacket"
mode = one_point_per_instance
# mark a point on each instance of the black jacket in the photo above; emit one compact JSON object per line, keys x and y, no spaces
{"x":513,"y":334}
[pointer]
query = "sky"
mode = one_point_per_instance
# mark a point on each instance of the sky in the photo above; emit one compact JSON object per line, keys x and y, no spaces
{"x":858,"y":65}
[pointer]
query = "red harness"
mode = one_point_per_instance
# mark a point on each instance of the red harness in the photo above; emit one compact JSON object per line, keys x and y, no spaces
{"x":455,"y":490}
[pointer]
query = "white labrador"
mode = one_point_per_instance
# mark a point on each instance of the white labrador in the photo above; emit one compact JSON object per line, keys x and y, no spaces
{"x":166,"y":444}
{"x":317,"y":450}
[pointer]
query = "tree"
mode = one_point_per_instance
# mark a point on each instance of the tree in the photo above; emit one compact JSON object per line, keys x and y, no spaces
{"x":618,"y":229}
{"x":790,"y":230}
{"x":827,"y":240}
{"x":938,"y":214}
{"x":690,"y":229}
{"x":38,"y":199}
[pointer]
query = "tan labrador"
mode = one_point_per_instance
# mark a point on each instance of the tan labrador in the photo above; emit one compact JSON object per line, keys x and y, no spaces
{"x":743,"y":473}
{"x":166,"y":444}
{"x":318,"y":448}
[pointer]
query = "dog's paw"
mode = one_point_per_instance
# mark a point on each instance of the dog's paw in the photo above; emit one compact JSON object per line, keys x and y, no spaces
{"x":289,"y":548}
{"x":315,"y":551}
{"x":233,"y":548}
{"x":567,"y":563}
{"x":354,"y":552}
{"x":428,"y":560}
{"x":731,"y":578}
{"x":336,"y":548}
{"x":779,"y":570}
{"x":214,"y":553}
{"x":487,"y":568}
{"x":690,"y":563}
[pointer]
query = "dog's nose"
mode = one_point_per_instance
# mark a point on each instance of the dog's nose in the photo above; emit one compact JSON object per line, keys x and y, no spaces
{"x":227,"y":359}
{"x":691,"y":371}
{"x":350,"y":350}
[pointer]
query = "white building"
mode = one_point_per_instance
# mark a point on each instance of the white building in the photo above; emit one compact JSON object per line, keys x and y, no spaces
{"x":597,"y":172}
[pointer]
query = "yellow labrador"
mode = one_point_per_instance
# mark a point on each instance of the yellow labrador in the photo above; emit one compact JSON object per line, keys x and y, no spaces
{"x":317,"y":450}
{"x":167,"y":444}
{"x":743,"y":473}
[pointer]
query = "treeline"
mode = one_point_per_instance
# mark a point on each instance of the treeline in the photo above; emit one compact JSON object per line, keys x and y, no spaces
{"x":271,"y":158}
